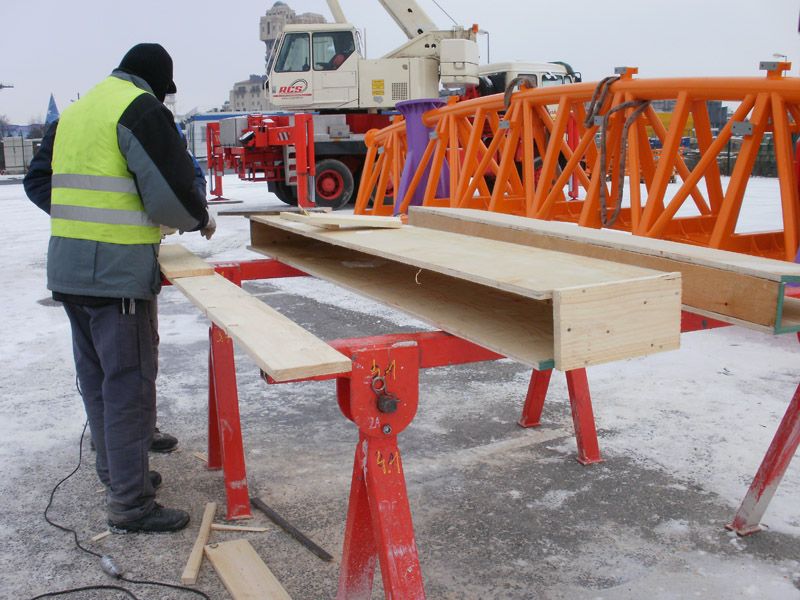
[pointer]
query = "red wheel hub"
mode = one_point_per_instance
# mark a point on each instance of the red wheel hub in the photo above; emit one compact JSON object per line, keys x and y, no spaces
{"x":330,"y":184}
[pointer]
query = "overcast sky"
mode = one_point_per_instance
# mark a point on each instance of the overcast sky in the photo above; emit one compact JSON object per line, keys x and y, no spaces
{"x":65,"y":47}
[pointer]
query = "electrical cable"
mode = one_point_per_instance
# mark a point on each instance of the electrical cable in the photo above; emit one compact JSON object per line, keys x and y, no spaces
{"x":445,"y":12}
{"x":106,"y":562}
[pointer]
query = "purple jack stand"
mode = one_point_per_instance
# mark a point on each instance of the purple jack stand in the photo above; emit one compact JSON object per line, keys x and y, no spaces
{"x":417,"y":136}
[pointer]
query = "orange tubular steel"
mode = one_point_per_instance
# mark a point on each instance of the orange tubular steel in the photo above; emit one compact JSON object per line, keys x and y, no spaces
{"x":518,"y":160}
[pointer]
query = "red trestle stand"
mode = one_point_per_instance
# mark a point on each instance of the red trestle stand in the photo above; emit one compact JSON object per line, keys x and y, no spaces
{"x":381,"y":398}
{"x":225,"y":446}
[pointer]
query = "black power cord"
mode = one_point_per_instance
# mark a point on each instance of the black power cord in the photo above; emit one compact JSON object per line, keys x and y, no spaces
{"x":106,"y":562}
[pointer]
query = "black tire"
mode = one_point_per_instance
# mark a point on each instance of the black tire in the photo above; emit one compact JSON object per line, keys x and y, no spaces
{"x":333,"y":184}
{"x":285,"y":193}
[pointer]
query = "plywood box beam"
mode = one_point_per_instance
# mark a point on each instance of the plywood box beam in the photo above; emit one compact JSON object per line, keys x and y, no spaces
{"x":513,"y":313}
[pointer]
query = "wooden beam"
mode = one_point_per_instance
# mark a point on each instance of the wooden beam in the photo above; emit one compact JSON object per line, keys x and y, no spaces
{"x":339,"y":221}
{"x":729,"y":286}
{"x":176,"y":261}
{"x":190,"y":572}
{"x":278,"y":345}
{"x":244,"y":574}
{"x":224,"y":527}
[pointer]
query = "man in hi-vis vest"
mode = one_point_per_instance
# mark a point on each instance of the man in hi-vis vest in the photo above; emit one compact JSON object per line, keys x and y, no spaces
{"x":110,"y":172}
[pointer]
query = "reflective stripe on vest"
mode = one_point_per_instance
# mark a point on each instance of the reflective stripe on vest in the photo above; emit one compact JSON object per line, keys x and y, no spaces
{"x":94,"y":196}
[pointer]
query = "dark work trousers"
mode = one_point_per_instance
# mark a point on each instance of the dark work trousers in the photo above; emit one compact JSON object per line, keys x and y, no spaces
{"x":115,"y":358}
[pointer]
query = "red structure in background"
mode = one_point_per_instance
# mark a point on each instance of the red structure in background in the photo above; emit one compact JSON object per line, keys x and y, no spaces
{"x":261,"y":156}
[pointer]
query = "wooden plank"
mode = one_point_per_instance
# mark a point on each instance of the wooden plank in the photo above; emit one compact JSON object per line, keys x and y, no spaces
{"x":190,"y":572}
{"x":223,"y":527}
{"x":274,"y":209}
{"x":278,"y":345}
{"x":724,"y":285}
{"x":527,"y":271}
{"x":603,"y":323}
{"x":176,"y":261}
{"x":453,"y":219}
{"x":338,"y":220}
{"x":244,"y":574}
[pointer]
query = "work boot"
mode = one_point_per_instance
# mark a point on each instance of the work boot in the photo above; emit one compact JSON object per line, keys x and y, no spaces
{"x":159,"y":520}
{"x":163,"y":442}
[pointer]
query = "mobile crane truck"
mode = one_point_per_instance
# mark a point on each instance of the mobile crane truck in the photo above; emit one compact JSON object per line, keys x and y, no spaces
{"x":321,"y":69}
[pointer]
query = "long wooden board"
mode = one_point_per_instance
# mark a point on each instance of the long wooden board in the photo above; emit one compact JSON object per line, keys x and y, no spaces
{"x":278,"y":345}
{"x":245,"y":575}
{"x":192,"y":569}
{"x":176,"y":261}
{"x":510,"y":324}
{"x":729,"y":286}
{"x":339,"y":221}
{"x":527,"y":271}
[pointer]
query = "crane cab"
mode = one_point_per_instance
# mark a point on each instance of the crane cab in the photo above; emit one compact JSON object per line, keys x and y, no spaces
{"x":315,"y":66}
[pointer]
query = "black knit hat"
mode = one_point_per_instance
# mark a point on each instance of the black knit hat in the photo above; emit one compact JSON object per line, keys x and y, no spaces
{"x":152,"y":63}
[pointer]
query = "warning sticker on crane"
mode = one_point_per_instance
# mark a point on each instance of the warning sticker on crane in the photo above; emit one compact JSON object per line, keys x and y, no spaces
{"x":378,"y":87}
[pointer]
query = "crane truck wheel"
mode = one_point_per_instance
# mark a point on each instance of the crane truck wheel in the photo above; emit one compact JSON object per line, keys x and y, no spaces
{"x":334,"y":184}
{"x":285,"y":193}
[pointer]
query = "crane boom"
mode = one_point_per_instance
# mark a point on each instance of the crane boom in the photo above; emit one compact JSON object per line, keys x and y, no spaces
{"x":336,"y":11}
{"x":409,"y":16}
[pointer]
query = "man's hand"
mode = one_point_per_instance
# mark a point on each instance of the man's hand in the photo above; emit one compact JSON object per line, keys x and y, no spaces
{"x":210,"y":227}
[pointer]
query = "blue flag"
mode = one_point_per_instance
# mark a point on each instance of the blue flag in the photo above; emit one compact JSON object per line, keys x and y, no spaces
{"x":52,"y":111}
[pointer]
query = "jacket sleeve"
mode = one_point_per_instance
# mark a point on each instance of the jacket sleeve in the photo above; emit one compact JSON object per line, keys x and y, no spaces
{"x":38,"y":181}
{"x":161,"y":166}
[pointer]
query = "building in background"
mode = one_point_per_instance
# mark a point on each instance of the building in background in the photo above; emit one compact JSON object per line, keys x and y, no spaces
{"x":249,"y":95}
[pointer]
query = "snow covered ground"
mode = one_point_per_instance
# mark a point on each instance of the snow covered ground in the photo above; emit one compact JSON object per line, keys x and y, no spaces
{"x":703,"y":415}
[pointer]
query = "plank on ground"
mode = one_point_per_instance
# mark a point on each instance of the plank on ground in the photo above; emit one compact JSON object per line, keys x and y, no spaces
{"x":523,"y":270}
{"x":176,"y":261}
{"x":725,"y":285}
{"x":278,"y":345}
{"x":192,"y":569}
{"x":244,"y":574}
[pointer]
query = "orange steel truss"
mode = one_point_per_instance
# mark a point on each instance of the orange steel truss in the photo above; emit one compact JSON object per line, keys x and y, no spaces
{"x":520,"y":158}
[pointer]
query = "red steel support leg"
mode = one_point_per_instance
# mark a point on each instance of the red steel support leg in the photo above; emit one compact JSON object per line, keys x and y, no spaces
{"x":534,"y":401}
{"x":582,"y":417}
{"x":379,"y":517}
{"x":772,"y":469}
{"x":214,"y":451}
{"x":229,"y":437}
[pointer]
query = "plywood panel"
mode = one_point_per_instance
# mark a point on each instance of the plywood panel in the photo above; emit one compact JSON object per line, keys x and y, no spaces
{"x":244,"y":574}
{"x":603,"y":323}
{"x":530,"y":272}
{"x":176,"y":261}
{"x":514,"y":326}
{"x":724,"y":285}
{"x":278,"y":345}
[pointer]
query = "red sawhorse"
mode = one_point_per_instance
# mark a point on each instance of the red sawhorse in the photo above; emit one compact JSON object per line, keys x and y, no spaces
{"x":580,"y":398}
{"x":771,"y":471}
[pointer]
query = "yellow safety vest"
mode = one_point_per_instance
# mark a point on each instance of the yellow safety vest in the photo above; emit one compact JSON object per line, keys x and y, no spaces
{"x":94,"y":196}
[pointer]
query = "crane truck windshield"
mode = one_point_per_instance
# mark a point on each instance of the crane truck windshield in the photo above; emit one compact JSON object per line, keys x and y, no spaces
{"x":331,"y":49}
{"x":295,"y":53}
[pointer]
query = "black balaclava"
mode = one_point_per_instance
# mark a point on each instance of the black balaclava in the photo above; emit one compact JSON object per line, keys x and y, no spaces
{"x":152,"y":63}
